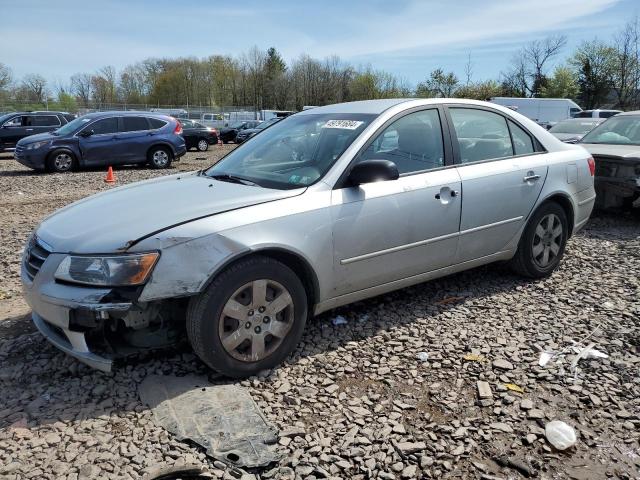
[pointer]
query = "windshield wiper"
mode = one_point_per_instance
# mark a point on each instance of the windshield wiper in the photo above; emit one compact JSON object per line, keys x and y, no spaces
{"x":225,"y":177}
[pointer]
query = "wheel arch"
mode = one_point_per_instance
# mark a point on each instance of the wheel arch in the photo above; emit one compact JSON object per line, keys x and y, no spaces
{"x":166,"y":145}
{"x":565,"y":202}
{"x":295,"y":261}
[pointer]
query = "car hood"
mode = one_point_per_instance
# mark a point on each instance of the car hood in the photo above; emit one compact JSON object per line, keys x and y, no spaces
{"x":114,"y":220}
{"x":38,"y":137}
{"x":249,"y":131}
{"x":622,"y":151}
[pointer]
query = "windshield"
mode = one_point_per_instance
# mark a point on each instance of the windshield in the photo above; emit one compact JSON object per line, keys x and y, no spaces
{"x":619,"y":130}
{"x":72,"y":126}
{"x":296,"y":152}
{"x":573,"y":127}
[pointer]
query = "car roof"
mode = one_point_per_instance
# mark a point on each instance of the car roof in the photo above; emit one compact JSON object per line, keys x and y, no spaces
{"x":375,"y":107}
{"x":582,"y":120}
{"x":127,"y":113}
{"x":630,"y":114}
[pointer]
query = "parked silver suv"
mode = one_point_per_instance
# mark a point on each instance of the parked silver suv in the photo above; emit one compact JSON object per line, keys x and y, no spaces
{"x":329,"y":206}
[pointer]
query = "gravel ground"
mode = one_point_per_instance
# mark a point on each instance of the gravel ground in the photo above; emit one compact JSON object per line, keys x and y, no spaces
{"x":391,"y":393}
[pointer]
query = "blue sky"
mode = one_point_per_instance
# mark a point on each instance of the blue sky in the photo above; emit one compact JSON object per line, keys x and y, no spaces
{"x":406,"y":37}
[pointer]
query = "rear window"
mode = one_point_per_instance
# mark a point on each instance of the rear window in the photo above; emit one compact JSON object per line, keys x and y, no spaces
{"x":134,"y":124}
{"x":45,"y":121}
{"x":155,"y":123}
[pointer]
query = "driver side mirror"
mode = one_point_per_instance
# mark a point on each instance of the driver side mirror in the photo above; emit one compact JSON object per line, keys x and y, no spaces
{"x":369,"y":171}
{"x":86,"y":133}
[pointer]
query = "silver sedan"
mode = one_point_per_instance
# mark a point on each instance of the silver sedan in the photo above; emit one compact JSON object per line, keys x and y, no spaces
{"x":327,"y":207}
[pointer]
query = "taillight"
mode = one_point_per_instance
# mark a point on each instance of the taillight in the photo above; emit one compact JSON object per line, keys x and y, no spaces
{"x":592,"y":166}
{"x":178,"y":129}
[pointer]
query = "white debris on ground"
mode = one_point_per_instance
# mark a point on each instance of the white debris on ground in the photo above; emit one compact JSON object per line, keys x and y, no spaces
{"x":354,"y":400}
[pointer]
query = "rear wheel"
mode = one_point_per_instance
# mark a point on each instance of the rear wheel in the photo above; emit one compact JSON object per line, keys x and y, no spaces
{"x":160,"y":157}
{"x":203,"y":145}
{"x":543,"y":242}
{"x":249,"y":319}
{"x":61,"y":161}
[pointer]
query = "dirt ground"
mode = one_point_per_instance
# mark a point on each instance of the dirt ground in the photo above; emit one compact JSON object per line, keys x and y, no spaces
{"x":390,"y":392}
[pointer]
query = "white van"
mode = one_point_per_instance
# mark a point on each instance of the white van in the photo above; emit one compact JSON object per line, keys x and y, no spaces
{"x":545,"y":111}
{"x":598,"y":113}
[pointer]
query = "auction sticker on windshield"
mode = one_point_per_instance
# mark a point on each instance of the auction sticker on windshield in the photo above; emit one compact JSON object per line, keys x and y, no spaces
{"x":347,"y":124}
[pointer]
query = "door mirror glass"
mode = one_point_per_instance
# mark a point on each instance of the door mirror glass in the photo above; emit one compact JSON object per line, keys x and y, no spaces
{"x":369,"y":171}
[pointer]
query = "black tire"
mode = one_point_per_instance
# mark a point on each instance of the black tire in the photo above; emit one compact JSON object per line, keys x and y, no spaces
{"x":61,"y":161}
{"x":160,"y":157}
{"x":528,"y":261}
{"x":205,"y":321}
{"x":202,"y":145}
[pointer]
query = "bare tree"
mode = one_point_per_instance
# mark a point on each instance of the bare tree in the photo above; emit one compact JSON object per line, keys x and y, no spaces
{"x":468,"y":70}
{"x":35,"y":87}
{"x":537,"y":54}
{"x":5,"y":76}
{"x":625,"y":78}
{"x":81,"y":87}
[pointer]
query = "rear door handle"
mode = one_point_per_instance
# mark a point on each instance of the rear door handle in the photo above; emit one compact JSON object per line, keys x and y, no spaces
{"x":28,"y":129}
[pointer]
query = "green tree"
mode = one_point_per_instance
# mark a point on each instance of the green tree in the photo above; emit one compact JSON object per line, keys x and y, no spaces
{"x":66,"y":102}
{"x":594,"y":63}
{"x":563,"y":84}
{"x":439,"y":84}
{"x":480,"y":90}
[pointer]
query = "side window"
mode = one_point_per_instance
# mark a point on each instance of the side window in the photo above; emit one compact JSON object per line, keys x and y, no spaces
{"x":482,"y":135}
{"x":156,"y":123}
{"x":522,"y":142}
{"x":14,"y":122}
{"x":27,"y":121}
{"x":104,"y":126}
{"x":413,"y":142}
{"x":134,"y":124}
{"x":45,"y":121}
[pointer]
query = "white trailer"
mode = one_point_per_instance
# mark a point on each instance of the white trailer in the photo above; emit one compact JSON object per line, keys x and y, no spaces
{"x":545,"y":111}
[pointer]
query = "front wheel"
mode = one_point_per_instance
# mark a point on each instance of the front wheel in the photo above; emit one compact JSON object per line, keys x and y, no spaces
{"x":543,"y":242}
{"x":60,"y":161}
{"x":250,"y":317}
{"x":160,"y":157}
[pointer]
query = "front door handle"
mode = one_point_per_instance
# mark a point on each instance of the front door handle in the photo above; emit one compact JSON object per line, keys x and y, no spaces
{"x":28,"y":129}
{"x":530,"y":177}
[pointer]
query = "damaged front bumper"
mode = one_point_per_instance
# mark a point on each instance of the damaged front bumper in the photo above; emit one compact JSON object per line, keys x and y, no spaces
{"x":617,"y":181}
{"x":61,"y":312}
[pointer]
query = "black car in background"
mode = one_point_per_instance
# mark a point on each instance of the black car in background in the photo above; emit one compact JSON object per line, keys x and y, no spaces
{"x":17,"y":125}
{"x":197,"y":135}
{"x":247,"y":133}
{"x":228,"y":134}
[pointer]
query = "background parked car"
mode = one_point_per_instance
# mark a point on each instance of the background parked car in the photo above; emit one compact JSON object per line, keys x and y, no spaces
{"x":247,"y":133}
{"x":598,"y":113}
{"x":18,"y":125}
{"x":105,"y":138}
{"x":228,"y":134}
{"x":197,"y":135}
{"x":615,"y":146}
{"x":573,"y":129}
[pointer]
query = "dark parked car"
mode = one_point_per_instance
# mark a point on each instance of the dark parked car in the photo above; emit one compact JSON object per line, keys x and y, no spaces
{"x":573,"y":129}
{"x":197,"y":135}
{"x":228,"y":134}
{"x":105,"y":138}
{"x":17,"y":125}
{"x":247,"y":133}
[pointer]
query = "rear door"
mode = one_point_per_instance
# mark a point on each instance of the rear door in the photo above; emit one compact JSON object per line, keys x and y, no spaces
{"x":134,"y":139}
{"x":502,"y":171}
{"x":42,"y":123}
{"x":98,"y":149}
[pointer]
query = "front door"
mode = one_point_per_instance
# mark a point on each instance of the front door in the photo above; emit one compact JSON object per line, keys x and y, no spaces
{"x":502,"y":175}
{"x":390,"y":230}
{"x":98,"y":148}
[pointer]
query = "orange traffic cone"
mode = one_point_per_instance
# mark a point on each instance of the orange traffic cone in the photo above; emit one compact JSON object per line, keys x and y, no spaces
{"x":110,"y":178}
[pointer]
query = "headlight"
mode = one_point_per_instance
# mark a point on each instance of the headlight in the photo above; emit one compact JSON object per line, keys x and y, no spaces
{"x":107,"y":271}
{"x":33,"y":146}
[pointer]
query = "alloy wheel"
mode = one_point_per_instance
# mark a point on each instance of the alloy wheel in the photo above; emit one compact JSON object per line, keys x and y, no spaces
{"x":547,"y":240}
{"x":255,"y":320}
{"x":203,"y":145}
{"x":160,"y":158}
{"x":62,"y":162}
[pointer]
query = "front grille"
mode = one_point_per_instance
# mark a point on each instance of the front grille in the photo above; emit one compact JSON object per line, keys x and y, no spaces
{"x":35,"y":257}
{"x":19,"y":151}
